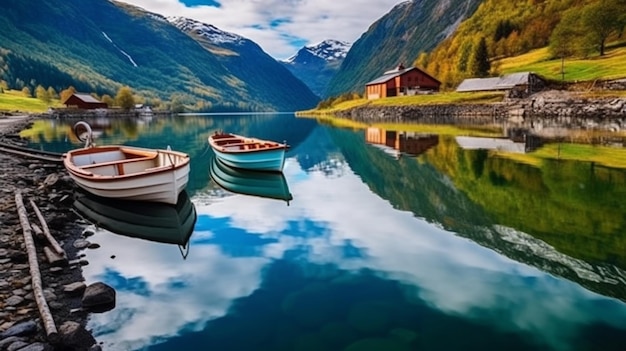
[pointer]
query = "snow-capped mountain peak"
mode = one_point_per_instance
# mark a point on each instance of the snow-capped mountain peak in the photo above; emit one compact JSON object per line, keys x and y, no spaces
{"x":207,"y":31}
{"x":328,"y":50}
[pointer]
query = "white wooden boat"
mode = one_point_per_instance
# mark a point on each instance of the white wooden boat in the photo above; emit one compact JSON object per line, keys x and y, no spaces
{"x":129,"y":173}
{"x":248,"y":153}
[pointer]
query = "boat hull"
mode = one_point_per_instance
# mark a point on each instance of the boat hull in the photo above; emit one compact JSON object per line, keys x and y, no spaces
{"x":271,"y":160}
{"x":248,"y":153}
{"x":164,"y":223}
{"x":161,"y":177}
{"x":255,"y":183}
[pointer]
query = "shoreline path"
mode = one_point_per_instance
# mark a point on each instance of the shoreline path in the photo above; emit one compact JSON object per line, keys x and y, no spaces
{"x":51,"y":190}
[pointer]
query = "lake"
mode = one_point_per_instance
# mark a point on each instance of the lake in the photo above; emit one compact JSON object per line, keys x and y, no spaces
{"x":387,"y":240}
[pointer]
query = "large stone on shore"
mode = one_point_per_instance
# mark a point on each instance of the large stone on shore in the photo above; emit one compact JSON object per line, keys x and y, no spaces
{"x":14,"y":300}
{"x":74,"y":289}
{"x":18,"y":345}
{"x":8,"y":341}
{"x":75,"y":337}
{"x":20,"y":329}
{"x":99,"y":297}
{"x":38,"y":346}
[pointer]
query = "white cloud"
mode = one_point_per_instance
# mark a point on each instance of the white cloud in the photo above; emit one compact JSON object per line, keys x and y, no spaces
{"x":281,"y":27}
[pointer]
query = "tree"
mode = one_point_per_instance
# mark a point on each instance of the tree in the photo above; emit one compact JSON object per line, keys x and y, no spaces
{"x":124,"y":98}
{"x":465,"y":51}
{"x":52,"y":93}
{"x":107,"y":99}
{"x":479,"y":64}
{"x":600,"y":20}
{"x":564,"y":39}
{"x":26,"y":92}
{"x":65,"y":94}
{"x":176,"y":104}
{"x":42,"y":94}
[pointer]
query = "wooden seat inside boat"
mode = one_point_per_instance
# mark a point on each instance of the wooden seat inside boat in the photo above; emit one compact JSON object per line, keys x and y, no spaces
{"x":122,"y":167}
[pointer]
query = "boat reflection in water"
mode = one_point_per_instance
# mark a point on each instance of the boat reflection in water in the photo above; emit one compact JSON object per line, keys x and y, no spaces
{"x":159,"y":222}
{"x":271,"y":185}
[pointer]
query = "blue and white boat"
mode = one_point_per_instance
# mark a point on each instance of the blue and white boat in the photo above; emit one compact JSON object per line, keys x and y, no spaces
{"x":248,"y":153}
{"x":271,"y":185}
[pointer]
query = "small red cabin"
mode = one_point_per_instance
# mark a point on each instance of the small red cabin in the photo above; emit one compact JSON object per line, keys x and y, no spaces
{"x":84,"y":101}
{"x":401,"y":81}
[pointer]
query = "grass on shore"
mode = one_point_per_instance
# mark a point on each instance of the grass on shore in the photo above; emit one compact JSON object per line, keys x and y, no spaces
{"x":14,"y":100}
{"x":469,"y":130}
{"x":431,"y":99}
{"x":610,"y":66}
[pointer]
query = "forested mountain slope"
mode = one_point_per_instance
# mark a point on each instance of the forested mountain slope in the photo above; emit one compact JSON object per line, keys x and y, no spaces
{"x":99,"y":46}
{"x":398,"y":37}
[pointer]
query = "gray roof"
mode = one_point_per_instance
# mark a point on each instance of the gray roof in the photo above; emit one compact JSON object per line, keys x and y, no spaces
{"x":510,"y":80}
{"x":390,"y":75}
{"x":87,"y":98}
{"x":498,"y":83}
{"x":478,"y":84}
{"x":500,"y":144}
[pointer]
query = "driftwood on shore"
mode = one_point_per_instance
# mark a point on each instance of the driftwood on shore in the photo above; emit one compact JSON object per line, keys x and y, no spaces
{"x":46,"y":231}
{"x":42,"y":304}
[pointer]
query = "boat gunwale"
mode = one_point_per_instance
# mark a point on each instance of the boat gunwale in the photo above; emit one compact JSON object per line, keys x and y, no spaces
{"x":81,"y":173}
{"x":239,"y":140}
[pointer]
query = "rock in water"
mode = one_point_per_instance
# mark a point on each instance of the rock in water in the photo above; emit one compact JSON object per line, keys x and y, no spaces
{"x":75,"y":337}
{"x":99,"y":297}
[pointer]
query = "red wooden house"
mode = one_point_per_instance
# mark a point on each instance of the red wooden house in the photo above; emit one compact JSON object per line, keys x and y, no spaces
{"x":84,"y":101}
{"x":401,"y":81}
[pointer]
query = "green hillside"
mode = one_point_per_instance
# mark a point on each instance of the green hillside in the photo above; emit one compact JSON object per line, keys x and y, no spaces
{"x":610,"y":66}
{"x":574,"y":29}
{"x":99,"y":46}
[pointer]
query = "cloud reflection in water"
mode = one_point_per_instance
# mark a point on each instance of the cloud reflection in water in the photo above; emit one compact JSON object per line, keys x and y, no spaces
{"x":340,"y":222}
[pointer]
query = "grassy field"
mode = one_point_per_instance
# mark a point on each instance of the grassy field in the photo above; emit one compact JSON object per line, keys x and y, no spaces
{"x":13,"y":100}
{"x":610,"y":66}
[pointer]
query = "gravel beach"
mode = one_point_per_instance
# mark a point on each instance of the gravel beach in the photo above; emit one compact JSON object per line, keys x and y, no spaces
{"x":49,"y":187}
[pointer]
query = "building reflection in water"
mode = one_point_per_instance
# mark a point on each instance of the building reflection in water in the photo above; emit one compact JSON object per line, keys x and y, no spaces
{"x":397,"y":143}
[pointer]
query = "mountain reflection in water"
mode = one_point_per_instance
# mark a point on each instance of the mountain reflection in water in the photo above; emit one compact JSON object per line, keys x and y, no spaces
{"x":446,"y":248}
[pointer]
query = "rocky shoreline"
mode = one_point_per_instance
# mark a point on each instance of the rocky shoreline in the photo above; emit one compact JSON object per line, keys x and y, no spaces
{"x":551,"y":108}
{"x":49,"y":187}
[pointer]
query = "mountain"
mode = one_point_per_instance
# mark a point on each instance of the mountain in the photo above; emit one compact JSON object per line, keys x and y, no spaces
{"x":316,"y":65}
{"x":100,"y":46}
{"x":259,"y":75}
{"x":398,"y":37}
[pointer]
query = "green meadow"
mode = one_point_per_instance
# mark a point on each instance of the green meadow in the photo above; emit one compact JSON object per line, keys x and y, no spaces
{"x":15,"y":101}
{"x":610,"y":66}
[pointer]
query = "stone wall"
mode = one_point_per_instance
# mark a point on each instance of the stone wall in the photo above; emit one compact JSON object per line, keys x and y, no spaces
{"x":427,"y":114}
{"x":555,"y":108}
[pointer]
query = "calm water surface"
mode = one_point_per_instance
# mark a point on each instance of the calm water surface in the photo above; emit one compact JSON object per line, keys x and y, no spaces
{"x":441,"y":248}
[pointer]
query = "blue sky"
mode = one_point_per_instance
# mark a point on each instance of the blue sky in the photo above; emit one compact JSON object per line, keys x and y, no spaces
{"x":280,"y":27}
